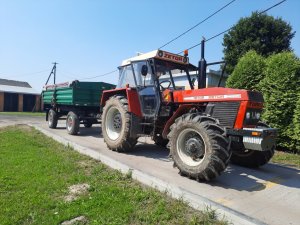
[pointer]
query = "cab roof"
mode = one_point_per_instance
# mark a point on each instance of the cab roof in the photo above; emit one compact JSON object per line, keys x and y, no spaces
{"x":158,"y":54}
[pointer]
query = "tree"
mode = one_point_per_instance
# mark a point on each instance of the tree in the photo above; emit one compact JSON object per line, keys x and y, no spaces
{"x":248,"y":72}
{"x":280,"y":87}
{"x":260,"y":32}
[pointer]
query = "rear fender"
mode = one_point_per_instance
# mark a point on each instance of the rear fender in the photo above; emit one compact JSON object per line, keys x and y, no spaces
{"x":131,"y":94}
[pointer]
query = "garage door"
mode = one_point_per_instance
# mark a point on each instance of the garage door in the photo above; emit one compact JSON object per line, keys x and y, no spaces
{"x":11,"y":101}
{"x":28,"y":103}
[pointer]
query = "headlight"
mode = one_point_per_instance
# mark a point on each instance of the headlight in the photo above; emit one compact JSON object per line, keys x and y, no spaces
{"x":257,"y":115}
{"x":248,"y":115}
{"x":253,"y":115}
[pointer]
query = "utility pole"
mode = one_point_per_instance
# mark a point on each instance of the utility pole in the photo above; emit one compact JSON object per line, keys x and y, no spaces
{"x":53,"y":71}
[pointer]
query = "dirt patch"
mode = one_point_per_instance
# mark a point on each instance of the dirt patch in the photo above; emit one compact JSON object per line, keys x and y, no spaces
{"x":75,"y":191}
{"x":77,"y":220}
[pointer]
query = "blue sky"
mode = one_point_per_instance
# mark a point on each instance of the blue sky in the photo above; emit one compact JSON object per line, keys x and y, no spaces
{"x":89,"y":38}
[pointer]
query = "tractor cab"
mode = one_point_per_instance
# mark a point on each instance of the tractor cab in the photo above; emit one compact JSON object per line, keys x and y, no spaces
{"x":152,"y":75}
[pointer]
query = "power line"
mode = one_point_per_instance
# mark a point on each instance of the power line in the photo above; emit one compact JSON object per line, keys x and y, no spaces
{"x":193,"y":27}
{"x":102,"y":75}
{"x":26,"y":74}
{"x":217,"y":35}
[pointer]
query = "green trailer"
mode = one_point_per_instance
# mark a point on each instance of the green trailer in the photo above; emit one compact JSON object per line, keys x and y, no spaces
{"x":76,"y":102}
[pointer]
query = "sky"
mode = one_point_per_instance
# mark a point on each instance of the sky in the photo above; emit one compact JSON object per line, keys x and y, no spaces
{"x":88,"y":38}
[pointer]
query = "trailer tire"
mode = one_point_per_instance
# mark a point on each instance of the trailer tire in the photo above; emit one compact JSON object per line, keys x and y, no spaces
{"x":116,"y":124}
{"x":251,"y":158}
{"x":72,"y":123}
{"x":199,"y":147}
{"x":52,"y":119}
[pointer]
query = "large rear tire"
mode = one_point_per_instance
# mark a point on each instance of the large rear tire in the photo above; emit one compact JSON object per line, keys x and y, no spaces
{"x":116,"y":124}
{"x":198,"y":146}
{"x":72,"y":123}
{"x":251,"y":158}
{"x":52,"y":119}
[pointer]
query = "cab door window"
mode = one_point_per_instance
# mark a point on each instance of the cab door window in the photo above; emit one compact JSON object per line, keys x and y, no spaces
{"x":126,"y":77}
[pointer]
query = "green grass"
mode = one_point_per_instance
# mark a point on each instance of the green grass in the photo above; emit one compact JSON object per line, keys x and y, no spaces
{"x":287,"y":159}
{"x":36,"y":171}
{"x":23,"y":113}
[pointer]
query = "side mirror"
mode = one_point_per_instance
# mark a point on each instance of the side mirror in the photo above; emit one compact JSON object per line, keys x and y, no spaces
{"x":144,"y":70}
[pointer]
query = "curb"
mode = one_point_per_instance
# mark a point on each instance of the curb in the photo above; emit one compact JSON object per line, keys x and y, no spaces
{"x":196,"y":201}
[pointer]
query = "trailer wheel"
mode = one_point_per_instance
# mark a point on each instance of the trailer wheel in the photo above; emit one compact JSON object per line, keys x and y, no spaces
{"x":251,"y":158}
{"x":198,"y":147}
{"x":52,"y":119}
{"x":116,"y":123}
{"x":72,"y":123}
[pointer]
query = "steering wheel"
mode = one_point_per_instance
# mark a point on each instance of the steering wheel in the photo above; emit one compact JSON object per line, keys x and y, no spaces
{"x":164,"y":81}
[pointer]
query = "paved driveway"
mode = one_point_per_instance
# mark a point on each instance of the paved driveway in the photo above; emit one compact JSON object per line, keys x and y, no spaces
{"x":269,"y":195}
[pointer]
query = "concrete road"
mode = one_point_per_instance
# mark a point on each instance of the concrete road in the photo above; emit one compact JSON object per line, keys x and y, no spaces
{"x":269,"y":195}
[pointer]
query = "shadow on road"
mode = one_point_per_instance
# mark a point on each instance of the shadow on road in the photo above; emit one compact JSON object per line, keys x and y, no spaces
{"x":251,"y":180}
{"x":85,"y":132}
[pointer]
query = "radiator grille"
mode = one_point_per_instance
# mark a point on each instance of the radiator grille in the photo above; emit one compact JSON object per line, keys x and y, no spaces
{"x":226,"y":113}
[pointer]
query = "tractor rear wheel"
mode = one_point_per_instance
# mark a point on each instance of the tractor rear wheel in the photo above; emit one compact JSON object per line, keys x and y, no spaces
{"x":198,"y":146}
{"x":52,"y":119}
{"x":116,"y":124}
{"x":251,"y":158}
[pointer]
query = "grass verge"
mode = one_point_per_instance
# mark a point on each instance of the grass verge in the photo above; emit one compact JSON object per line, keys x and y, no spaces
{"x":23,"y":113}
{"x":36,"y":172}
{"x":287,"y":159}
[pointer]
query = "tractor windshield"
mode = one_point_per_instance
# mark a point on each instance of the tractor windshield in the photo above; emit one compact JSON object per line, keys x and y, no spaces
{"x":172,"y":75}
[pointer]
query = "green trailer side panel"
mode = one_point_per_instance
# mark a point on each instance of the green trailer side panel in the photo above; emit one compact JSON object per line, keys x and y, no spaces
{"x":64,"y":96}
{"x":78,"y":94}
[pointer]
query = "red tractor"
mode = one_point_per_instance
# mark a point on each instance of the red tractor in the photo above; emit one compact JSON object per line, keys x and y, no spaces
{"x":204,"y":128}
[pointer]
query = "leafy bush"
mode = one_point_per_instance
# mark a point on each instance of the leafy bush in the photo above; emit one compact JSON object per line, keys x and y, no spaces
{"x":248,"y":72}
{"x":280,"y":87}
{"x":296,"y":124}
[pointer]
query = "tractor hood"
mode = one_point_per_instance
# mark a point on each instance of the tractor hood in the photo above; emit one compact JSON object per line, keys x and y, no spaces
{"x":217,"y":94}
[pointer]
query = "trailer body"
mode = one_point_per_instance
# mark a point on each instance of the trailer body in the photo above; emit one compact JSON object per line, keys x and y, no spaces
{"x":76,"y":101}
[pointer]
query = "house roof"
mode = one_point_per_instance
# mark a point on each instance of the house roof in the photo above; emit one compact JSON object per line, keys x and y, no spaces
{"x":14,"y":83}
{"x":13,"y":86}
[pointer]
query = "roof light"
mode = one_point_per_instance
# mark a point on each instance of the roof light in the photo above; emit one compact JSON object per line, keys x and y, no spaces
{"x":186,"y":52}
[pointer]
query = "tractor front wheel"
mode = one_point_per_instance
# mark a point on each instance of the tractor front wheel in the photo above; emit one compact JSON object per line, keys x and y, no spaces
{"x":251,"y":158}
{"x":116,"y":124}
{"x":198,"y":146}
{"x":160,"y":141}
